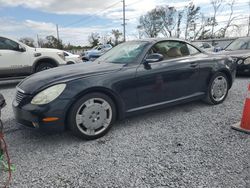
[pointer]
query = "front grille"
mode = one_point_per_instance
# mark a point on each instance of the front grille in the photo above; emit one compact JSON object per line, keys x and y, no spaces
{"x":19,"y":96}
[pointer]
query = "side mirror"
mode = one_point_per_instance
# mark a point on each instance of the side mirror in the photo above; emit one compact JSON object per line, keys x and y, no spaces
{"x":155,"y":57}
{"x":21,"y":48}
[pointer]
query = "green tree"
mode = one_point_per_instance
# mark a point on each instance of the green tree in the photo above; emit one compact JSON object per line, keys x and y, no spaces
{"x":94,"y":39}
{"x":28,"y":41}
{"x":117,"y":34}
{"x":51,"y":42}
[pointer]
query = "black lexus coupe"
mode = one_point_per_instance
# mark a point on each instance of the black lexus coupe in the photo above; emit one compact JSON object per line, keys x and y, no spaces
{"x":133,"y":77}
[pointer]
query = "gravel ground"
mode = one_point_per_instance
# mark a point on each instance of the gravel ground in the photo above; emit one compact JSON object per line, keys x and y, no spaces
{"x":189,"y":145}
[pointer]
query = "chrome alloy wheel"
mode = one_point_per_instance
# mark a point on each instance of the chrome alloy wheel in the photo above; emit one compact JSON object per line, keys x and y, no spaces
{"x":219,"y":88}
{"x":94,"y":116}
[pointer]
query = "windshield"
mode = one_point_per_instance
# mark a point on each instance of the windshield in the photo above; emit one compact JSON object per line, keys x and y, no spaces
{"x":239,"y":44}
{"x":124,"y":53}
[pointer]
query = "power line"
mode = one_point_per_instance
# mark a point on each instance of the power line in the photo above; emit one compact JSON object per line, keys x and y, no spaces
{"x":134,"y":3}
{"x":93,"y":15}
{"x":89,"y":18}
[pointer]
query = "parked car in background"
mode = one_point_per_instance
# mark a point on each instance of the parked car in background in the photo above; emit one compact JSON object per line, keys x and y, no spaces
{"x":96,"y":52}
{"x":135,"y":76}
{"x":239,"y":50}
{"x":72,"y":58}
{"x":204,"y":45}
{"x":18,"y":59}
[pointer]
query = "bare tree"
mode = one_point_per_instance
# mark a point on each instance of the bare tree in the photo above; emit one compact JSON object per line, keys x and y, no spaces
{"x":192,"y":16}
{"x":201,"y":29}
{"x":168,"y":16}
{"x":230,"y":19}
{"x":151,"y":23}
{"x":178,"y":30}
{"x":216,"y":4}
{"x":117,"y":34}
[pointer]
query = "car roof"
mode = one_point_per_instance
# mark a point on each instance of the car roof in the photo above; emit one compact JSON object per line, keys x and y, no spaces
{"x":155,"y":40}
{"x":161,"y":39}
{"x":243,"y":38}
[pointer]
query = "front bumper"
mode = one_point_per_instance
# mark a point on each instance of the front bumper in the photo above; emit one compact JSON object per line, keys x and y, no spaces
{"x":243,"y":69}
{"x":32,"y":115}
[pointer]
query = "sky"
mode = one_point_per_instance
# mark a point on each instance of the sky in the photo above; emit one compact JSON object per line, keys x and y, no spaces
{"x":77,"y":19}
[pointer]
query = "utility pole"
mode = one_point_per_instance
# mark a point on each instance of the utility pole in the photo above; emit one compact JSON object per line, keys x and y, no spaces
{"x":248,"y":32}
{"x":58,"y":39}
{"x":124,"y":22}
{"x":38,"y":43}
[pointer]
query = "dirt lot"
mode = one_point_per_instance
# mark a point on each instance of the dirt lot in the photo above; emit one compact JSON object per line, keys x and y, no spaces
{"x":189,"y":145}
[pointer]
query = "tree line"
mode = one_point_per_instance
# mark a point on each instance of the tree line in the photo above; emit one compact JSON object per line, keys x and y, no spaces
{"x":188,"y":22}
{"x":94,"y":39}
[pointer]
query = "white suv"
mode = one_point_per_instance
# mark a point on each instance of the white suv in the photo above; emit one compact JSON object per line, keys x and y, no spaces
{"x":18,"y":59}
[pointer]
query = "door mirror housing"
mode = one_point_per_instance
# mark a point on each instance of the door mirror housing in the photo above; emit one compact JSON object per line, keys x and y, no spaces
{"x":155,"y":57}
{"x":20,"y":48}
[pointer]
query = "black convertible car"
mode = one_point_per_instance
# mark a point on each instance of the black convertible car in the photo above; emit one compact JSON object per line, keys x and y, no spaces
{"x":239,"y":50}
{"x":133,"y":77}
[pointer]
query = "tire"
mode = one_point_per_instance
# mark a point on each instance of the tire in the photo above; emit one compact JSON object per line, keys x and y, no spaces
{"x":92,"y":116}
{"x":218,"y":89}
{"x":44,"y":66}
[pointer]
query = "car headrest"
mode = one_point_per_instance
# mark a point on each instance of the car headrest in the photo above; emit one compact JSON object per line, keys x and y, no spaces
{"x":184,"y":50}
{"x":174,"y":52}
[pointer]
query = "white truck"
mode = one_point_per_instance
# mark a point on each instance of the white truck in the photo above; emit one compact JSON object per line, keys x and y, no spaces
{"x":18,"y":59}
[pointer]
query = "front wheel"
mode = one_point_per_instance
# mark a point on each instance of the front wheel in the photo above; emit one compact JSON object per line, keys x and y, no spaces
{"x":217,"y":89}
{"x":44,"y":66}
{"x":92,"y":115}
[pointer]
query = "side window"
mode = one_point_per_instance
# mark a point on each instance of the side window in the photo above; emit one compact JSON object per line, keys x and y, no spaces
{"x":171,"y":49}
{"x":65,"y":54}
{"x":192,"y":50}
{"x":248,"y":45}
{"x":6,"y":44}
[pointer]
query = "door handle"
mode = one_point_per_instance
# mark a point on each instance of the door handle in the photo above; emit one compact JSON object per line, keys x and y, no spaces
{"x":193,"y":64}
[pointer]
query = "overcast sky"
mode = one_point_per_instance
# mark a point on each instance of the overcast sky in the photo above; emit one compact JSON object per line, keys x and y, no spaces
{"x":78,"y":18}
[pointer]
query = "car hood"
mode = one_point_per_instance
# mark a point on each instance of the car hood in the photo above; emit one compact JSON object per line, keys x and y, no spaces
{"x":236,"y":53}
{"x":39,"y":81}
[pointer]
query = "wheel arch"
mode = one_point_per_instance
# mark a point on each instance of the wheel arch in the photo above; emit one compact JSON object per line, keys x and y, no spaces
{"x":44,"y":59}
{"x":115,"y":98}
{"x":229,"y":76}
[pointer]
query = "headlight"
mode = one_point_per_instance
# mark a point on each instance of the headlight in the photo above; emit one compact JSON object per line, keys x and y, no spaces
{"x":61,"y":55}
{"x":48,"y":95}
{"x":240,"y":62}
{"x":247,"y":61}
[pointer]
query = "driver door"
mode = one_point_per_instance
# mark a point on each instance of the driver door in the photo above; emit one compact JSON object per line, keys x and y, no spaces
{"x":172,"y":79}
{"x":13,"y":62}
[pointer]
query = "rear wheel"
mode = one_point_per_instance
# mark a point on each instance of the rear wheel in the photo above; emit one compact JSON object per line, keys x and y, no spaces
{"x":92,"y":115}
{"x":44,"y":66}
{"x":218,"y":89}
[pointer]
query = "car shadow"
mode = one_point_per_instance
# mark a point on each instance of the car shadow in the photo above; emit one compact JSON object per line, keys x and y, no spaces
{"x":242,"y":76}
{"x":9,"y":84}
{"x":66,"y":138}
{"x":184,"y":107}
